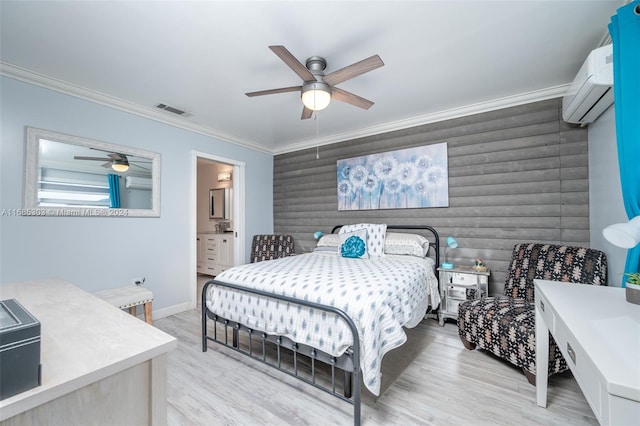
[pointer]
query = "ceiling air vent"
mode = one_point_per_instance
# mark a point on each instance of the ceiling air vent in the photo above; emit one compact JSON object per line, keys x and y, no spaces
{"x":172,"y":110}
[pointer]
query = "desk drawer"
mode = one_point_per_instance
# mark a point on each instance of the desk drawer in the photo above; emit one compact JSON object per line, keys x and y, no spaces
{"x":545,"y":310}
{"x":583,"y":369}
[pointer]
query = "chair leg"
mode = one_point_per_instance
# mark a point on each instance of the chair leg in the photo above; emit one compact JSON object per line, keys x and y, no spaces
{"x":530,"y":376}
{"x":467,"y":344}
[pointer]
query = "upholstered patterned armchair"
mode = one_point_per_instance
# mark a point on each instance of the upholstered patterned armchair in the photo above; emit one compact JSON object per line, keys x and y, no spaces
{"x":505,"y":325}
{"x":268,"y":247}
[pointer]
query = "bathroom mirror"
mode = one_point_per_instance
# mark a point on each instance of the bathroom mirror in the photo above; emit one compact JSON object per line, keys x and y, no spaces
{"x":72,"y":176}
{"x":220,"y":203}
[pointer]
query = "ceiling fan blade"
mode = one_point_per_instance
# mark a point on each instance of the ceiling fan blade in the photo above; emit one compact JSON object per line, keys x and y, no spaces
{"x":306,"y":113}
{"x":78,"y":157}
{"x":107,"y":165}
{"x":116,"y":156}
{"x":274,"y":91}
{"x":350,"y":98}
{"x":293,"y":63}
{"x":102,"y":150}
{"x":353,"y":70}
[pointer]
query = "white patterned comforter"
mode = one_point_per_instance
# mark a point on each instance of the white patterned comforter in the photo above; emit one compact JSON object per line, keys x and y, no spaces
{"x":380,"y":295}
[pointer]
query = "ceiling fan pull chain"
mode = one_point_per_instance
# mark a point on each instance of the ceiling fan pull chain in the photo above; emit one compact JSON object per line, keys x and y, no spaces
{"x":317,"y":132}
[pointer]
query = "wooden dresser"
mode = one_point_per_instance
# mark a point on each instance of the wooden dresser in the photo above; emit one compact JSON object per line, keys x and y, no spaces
{"x":100,"y":365}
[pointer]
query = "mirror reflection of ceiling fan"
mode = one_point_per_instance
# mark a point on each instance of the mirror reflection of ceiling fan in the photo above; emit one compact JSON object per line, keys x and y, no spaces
{"x":117,"y":161}
{"x":318,"y":89}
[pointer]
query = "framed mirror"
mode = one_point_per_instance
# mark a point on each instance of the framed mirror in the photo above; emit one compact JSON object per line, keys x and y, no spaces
{"x":219,"y":203}
{"x":72,"y":176}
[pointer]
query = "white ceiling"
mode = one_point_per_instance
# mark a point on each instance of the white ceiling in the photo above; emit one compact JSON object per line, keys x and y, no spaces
{"x":442,"y":59}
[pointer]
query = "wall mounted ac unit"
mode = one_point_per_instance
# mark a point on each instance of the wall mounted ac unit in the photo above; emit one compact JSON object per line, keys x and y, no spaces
{"x":133,"y":182}
{"x":591,"y":92}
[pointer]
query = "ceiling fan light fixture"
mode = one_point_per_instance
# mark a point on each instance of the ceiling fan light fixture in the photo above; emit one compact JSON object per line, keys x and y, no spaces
{"x":316,"y":96}
{"x":120,"y":165}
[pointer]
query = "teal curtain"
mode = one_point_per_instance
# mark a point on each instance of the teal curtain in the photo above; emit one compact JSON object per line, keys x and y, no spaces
{"x":625,"y":33}
{"x":114,"y":190}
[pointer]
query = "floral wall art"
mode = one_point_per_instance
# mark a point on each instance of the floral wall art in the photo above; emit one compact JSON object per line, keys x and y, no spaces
{"x":404,"y":179}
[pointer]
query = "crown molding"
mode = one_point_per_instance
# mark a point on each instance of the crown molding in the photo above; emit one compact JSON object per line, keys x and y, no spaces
{"x":506,"y":102}
{"x":27,"y":76}
{"x":17,"y":73}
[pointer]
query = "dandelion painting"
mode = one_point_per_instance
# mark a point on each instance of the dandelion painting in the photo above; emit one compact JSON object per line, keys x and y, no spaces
{"x":404,"y":179}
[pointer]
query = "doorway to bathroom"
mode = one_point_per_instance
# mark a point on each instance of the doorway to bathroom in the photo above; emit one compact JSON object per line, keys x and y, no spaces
{"x":218,"y":220}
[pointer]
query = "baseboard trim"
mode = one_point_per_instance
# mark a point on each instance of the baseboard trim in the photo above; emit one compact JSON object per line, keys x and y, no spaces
{"x":170,"y":310}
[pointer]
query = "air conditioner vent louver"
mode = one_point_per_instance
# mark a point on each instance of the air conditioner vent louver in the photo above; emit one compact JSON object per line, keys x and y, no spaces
{"x":591,"y":92}
{"x":171,"y":109}
{"x":132,"y":182}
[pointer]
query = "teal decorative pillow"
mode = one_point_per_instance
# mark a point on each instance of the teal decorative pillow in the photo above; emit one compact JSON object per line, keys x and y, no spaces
{"x":354,"y":244}
{"x":375,"y":236}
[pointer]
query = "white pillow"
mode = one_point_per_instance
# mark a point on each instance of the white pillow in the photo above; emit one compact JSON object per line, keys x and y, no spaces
{"x":354,"y":244}
{"x":329,"y":240}
{"x":376,"y":234}
{"x":406,"y":244}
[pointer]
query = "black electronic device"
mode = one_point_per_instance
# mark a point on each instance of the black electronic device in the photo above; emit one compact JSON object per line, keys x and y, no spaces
{"x":20,"y":368}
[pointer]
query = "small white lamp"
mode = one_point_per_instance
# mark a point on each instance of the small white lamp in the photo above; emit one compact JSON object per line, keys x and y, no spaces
{"x":625,"y":235}
{"x":452,"y":244}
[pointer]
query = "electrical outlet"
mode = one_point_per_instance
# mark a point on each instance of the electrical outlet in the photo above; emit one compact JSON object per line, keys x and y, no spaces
{"x":138,"y":281}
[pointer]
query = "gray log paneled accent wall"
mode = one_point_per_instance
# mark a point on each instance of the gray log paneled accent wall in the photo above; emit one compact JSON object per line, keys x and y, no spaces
{"x":516,"y":175}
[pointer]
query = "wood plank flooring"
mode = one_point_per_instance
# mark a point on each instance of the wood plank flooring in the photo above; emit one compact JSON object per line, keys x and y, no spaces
{"x":431,"y":380}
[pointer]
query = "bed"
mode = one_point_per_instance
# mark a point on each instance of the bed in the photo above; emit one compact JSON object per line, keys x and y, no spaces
{"x":328,"y":317}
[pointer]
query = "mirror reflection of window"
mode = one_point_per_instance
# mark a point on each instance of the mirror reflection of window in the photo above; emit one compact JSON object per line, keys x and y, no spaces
{"x":78,"y":176}
{"x":69,"y":172}
{"x":57,"y":188}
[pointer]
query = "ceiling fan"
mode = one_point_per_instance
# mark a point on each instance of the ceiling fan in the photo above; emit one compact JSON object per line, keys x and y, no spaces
{"x":117,"y":161}
{"x":318,"y":89}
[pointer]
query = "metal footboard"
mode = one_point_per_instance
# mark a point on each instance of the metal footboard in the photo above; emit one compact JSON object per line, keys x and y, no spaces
{"x":348,"y":363}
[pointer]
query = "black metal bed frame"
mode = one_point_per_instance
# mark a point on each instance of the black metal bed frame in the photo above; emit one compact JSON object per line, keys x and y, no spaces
{"x":349,"y":362}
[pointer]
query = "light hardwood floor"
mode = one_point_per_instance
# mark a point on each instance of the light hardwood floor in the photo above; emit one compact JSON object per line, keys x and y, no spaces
{"x":431,"y":380}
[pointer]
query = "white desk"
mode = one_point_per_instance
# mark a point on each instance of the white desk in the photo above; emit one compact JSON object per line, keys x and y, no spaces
{"x":598,"y":333}
{"x":100,"y":365}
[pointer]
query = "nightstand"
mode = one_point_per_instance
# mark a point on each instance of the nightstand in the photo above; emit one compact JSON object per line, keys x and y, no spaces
{"x":458,"y":285}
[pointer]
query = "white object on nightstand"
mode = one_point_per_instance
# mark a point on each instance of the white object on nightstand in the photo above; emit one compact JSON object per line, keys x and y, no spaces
{"x":598,"y":333}
{"x":455,"y":285}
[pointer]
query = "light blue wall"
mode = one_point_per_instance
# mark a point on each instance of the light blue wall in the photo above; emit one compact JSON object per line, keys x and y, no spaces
{"x":97,"y":253}
{"x":605,"y":192}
